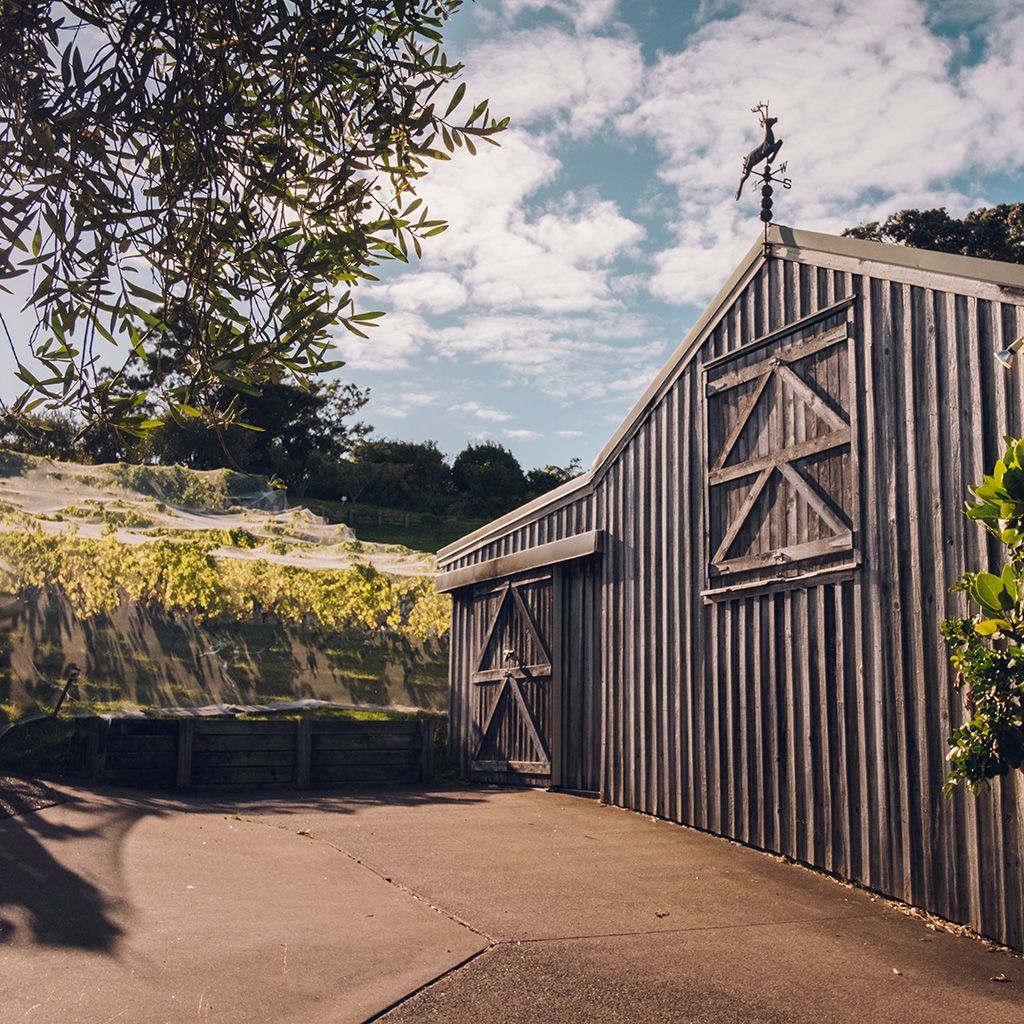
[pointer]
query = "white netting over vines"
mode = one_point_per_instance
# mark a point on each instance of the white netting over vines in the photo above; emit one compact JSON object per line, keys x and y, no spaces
{"x":172,"y":587}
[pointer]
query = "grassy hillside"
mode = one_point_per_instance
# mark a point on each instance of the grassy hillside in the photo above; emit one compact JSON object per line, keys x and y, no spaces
{"x":418,"y":531}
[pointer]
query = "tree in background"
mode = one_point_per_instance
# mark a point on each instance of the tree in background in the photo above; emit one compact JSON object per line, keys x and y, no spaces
{"x":408,"y":475}
{"x":488,"y":480}
{"x":229,"y":169}
{"x":992,"y":233}
{"x":312,"y":450}
{"x":289,"y":431}
{"x":483,"y":480}
{"x":541,"y":480}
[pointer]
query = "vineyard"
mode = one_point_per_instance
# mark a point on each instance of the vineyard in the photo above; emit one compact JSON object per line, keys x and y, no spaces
{"x":170,"y":587}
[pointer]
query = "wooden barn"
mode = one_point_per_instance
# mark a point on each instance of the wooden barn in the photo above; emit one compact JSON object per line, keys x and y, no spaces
{"x":732,"y":621}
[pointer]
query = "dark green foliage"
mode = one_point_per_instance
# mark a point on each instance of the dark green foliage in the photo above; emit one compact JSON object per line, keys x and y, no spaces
{"x":424,"y":531}
{"x":226,"y":170}
{"x":288,"y":429}
{"x":488,"y":479}
{"x":988,"y":649}
{"x":58,"y":435}
{"x":289,"y":432}
{"x":542,"y":480}
{"x":992,"y":233}
{"x":484,"y":480}
{"x":399,"y":474}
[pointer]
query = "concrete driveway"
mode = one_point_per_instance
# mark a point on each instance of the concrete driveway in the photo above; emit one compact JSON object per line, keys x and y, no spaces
{"x":445,"y":905}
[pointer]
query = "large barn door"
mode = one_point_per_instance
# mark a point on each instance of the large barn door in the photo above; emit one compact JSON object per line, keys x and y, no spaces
{"x":512,"y":681}
{"x":781,"y":457}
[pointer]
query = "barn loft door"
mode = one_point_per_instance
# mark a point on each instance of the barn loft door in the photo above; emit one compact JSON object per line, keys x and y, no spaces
{"x":781,"y":450}
{"x":512,"y":680}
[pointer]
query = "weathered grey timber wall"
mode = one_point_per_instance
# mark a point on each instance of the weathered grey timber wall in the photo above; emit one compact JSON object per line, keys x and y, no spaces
{"x":569,"y":518}
{"x":191,"y":753}
{"x":812,"y":721}
{"x":809,"y":719}
{"x":580,"y":677}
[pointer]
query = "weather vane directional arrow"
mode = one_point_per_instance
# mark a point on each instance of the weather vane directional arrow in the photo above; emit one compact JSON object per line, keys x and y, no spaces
{"x":767,"y":152}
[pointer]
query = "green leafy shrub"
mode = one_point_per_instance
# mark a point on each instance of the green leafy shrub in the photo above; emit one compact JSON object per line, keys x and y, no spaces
{"x":987,"y":650}
{"x":236,"y":537}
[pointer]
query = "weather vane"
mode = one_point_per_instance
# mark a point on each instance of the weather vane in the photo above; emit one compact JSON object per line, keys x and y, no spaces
{"x":767,"y":151}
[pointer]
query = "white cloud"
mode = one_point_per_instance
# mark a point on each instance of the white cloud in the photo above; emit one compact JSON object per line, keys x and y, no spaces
{"x":404,"y":402}
{"x":570,"y":433}
{"x":532,"y":287}
{"x":545,"y":281}
{"x":585,"y":14}
{"x":580,"y":81}
{"x":867,"y":107}
{"x":390,"y":346}
{"x":559,"y":260}
{"x":569,"y":358}
{"x":995,"y":85}
{"x":423,"y":292}
{"x":521,"y":434}
{"x":481,"y":412}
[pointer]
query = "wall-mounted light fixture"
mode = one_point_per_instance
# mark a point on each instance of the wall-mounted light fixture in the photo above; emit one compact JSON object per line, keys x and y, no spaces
{"x":1005,"y":356}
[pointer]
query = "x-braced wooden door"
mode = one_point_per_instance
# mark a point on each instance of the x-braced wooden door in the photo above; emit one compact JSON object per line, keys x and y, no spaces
{"x":512,"y":681}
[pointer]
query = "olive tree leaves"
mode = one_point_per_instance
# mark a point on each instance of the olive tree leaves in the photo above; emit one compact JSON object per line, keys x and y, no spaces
{"x":223,"y":170}
{"x":987,"y":650}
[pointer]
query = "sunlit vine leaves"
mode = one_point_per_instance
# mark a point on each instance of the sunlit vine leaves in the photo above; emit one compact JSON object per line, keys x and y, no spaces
{"x":187,"y":578}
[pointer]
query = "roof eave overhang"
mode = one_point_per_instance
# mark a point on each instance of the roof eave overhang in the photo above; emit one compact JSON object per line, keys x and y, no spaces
{"x":543,"y":556}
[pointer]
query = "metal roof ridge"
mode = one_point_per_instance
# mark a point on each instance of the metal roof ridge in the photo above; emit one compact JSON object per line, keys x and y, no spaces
{"x":975,"y":268}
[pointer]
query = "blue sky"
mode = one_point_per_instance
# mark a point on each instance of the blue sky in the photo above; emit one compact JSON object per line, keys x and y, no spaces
{"x":581,"y":251}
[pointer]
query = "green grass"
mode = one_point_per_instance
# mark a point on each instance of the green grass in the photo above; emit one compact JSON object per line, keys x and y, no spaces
{"x":330,"y":714}
{"x":430,"y":534}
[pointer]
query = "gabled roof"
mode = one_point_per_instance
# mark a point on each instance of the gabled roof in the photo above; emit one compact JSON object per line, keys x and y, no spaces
{"x":990,"y":279}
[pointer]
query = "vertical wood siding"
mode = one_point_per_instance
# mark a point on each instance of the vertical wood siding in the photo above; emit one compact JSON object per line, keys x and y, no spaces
{"x":575,"y":517}
{"x":808,"y":721}
{"x":812,"y":721}
{"x":579,"y":680}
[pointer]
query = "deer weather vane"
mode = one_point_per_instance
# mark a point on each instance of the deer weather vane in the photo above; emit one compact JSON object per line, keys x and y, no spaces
{"x":766,"y":152}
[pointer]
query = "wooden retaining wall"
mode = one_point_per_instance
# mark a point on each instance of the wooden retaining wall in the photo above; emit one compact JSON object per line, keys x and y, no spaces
{"x":205,"y":753}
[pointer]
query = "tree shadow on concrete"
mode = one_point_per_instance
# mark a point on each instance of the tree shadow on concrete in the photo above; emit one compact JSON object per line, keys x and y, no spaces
{"x":59,"y":907}
{"x":56,"y":905}
{"x":349,"y":799}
